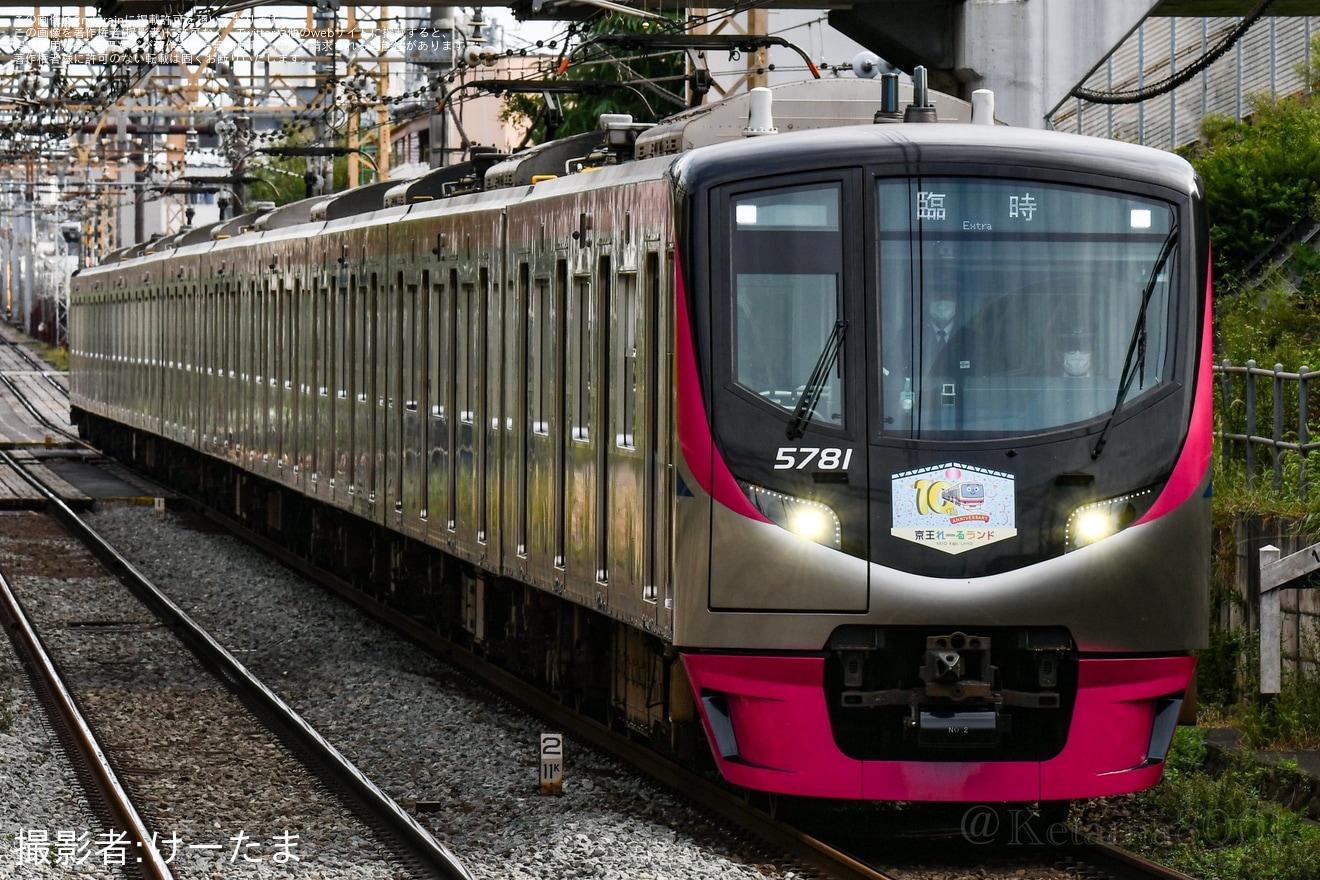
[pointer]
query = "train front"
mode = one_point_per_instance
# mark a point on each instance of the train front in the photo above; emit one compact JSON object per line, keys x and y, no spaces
{"x":942,"y":513}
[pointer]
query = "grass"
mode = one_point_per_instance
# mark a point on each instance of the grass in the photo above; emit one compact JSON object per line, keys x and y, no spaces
{"x":1222,"y":827}
{"x":1290,"y":721}
{"x":56,"y":356}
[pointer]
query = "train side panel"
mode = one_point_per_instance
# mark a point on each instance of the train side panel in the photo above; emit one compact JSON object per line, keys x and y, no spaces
{"x":588,"y":454}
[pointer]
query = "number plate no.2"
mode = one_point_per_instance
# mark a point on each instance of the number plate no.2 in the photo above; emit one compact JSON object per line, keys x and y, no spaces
{"x":552,"y":763}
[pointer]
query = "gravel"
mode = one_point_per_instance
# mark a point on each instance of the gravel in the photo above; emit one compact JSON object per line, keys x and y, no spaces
{"x":216,"y":787}
{"x":39,"y":791}
{"x":421,"y":731}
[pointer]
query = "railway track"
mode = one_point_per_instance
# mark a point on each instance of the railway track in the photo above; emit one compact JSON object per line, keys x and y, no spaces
{"x":147,"y":831}
{"x":25,"y":376}
{"x":15,"y":356}
{"x":109,"y":799}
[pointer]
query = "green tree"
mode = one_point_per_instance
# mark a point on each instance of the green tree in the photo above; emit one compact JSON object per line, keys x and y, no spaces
{"x":1262,"y":176}
{"x":648,"y":87}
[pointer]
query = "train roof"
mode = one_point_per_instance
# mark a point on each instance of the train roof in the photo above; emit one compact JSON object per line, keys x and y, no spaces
{"x":941,"y":148}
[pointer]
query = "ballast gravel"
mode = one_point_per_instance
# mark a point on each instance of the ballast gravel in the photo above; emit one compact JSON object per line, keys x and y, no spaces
{"x":38,"y":790}
{"x":420,"y":731}
{"x":215,"y":787}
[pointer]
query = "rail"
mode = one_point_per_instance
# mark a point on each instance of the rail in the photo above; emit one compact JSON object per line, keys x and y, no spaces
{"x":1286,"y":395}
{"x":413,"y":845}
{"x":81,"y":743}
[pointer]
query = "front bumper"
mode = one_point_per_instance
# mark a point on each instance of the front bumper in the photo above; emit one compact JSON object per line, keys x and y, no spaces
{"x":769,"y":728}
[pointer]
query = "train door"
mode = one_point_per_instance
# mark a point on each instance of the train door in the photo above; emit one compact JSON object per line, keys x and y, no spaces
{"x":215,"y":366}
{"x":344,"y":284}
{"x":576,"y":494}
{"x":788,"y":389}
{"x":229,"y":419}
{"x":490,"y":426}
{"x":151,"y":355}
{"x":559,"y":417}
{"x":245,"y":316}
{"x":190,"y":390}
{"x":379,"y":266}
{"x":416,"y":401}
{"x":578,"y":502}
{"x":469,"y":347}
{"x":284,"y":377}
{"x":167,"y":316}
{"x":657,"y":432}
{"x":392,"y":358}
{"x":606,"y":439}
{"x":513,"y":477}
{"x":517,"y":382}
{"x":271,"y":359}
{"x":306,"y":386}
{"x":364,"y":405}
{"x":298,"y":404}
{"x":439,"y":422}
{"x":260,"y":389}
{"x":310,"y":358}
{"x":540,"y":513}
{"x":213,"y":391}
{"x":256,"y":384}
{"x":183,"y":360}
{"x":205,"y":365}
{"x":324,"y":400}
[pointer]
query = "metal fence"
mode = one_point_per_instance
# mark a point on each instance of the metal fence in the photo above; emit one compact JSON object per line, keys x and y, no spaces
{"x":1284,"y":397}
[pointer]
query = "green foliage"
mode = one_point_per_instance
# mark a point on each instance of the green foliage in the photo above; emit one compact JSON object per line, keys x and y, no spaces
{"x":1187,"y":752}
{"x":1262,"y":176}
{"x":1222,"y":827}
{"x":1274,"y":324}
{"x":1290,"y":721}
{"x":56,"y":356}
{"x":279,"y":179}
{"x":1277,"y":323}
{"x":1219,"y":667}
{"x":648,"y":88}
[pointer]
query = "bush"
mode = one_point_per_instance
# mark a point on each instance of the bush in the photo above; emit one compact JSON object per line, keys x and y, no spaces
{"x":1262,"y":176}
{"x":1221,"y":828}
{"x":1289,"y":721}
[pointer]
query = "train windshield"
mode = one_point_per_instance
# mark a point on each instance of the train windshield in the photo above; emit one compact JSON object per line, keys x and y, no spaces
{"x":788,"y":258}
{"x":1015,"y":307}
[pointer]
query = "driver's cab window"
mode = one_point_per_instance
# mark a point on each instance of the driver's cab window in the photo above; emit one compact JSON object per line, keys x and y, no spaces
{"x":1017,"y":306}
{"x":787,"y":262}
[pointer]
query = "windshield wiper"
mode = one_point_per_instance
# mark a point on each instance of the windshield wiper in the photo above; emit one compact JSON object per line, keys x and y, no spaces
{"x":1135,"y":362}
{"x":806,"y":405}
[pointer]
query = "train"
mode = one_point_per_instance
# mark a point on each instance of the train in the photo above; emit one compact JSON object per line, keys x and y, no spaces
{"x":827,"y":433}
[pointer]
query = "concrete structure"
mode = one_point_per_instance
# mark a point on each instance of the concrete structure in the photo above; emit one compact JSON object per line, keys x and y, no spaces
{"x":1032,"y":53}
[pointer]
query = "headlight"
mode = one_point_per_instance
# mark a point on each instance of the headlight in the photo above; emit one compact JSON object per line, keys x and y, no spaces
{"x":808,"y":519}
{"x":1093,"y":522}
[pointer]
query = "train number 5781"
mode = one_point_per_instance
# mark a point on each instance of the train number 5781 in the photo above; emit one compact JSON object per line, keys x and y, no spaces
{"x":827,"y":458}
